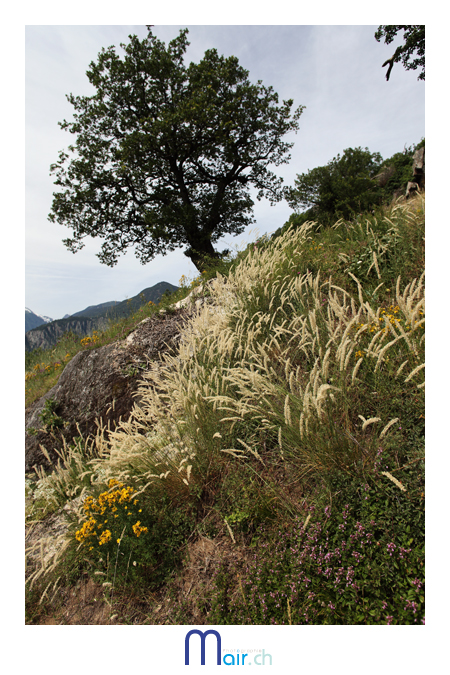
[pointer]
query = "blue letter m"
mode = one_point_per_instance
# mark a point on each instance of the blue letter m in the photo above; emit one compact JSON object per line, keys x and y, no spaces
{"x":203,"y":639}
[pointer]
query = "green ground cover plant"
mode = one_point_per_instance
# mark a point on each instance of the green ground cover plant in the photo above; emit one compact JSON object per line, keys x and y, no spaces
{"x":349,"y":563}
{"x":289,"y":424}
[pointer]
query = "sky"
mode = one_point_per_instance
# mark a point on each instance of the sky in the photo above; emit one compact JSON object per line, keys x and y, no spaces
{"x":334,"y":71}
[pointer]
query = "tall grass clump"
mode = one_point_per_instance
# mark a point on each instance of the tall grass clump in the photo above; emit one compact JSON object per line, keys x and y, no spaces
{"x":289,"y":365}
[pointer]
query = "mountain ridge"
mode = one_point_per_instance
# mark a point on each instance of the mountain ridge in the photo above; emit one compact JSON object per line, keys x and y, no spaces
{"x":33,"y":320}
{"x":93,"y":317}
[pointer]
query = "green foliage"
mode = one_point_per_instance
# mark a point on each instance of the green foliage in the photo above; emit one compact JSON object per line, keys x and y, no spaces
{"x":33,"y":357}
{"x":340,"y":189}
{"x":414,"y":45}
{"x":349,"y":185}
{"x":245,"y":501}
{"x":44,"y":366}
{"x":165,"y":153}
{"x":50,"y":419}
{"x":401,"y":163}
{"x":398,"y":247}
{"x":359,"y":562}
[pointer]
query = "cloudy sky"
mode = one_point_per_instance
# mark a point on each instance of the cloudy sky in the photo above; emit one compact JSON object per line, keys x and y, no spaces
{"x":335,"y":71}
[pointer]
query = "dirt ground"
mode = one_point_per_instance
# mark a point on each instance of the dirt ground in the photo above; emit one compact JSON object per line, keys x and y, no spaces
{"x":180,"y":602}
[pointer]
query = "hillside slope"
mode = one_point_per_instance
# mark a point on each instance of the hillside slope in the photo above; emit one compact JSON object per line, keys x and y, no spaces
{"x":273,"y":469}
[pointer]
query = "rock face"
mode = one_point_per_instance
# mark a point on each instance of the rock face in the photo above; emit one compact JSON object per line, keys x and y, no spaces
{"x":419,"y":167}
{"x":418,"y":181}
{"x":385,"y":175}
{"x":99,"y":384}
{"x":48,"y":335}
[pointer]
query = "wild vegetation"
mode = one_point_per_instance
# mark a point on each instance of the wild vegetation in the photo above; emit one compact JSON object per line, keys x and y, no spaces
{"x":43,"y":367}
{"x":274,"y":469}
{"x":350,"y":184}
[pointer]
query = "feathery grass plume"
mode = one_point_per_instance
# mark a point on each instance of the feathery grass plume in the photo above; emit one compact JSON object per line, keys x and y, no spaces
{"x":287,"y":411}
{"x":46,"y":554}
{"x":401,"y":368}
{"x":252,"y":451}
{"x":355,"y":369}
{"x":374,"y":264}
{"x":416,"y":370}
{"x":230,"y":531}
{"x":387,"y":427}
{"x":394,"y":480}
{"x":380,"y":354}
{"x":366,"y":423}
{"x":360,"y":295}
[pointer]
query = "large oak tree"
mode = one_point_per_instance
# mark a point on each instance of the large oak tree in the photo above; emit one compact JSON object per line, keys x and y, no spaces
{"x":165,"y":153}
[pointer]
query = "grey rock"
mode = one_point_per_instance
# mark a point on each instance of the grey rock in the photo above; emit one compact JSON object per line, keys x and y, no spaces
{"x":99,"y":385}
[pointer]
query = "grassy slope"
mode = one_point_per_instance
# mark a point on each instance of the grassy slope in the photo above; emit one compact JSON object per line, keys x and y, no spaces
{"x":284,"y":444}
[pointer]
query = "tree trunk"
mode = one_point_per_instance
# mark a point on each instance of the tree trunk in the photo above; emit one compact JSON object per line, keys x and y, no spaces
{"x":202,"y":254}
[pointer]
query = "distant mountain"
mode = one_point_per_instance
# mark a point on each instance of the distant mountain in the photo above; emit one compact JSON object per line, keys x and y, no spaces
{"x":121,"y":309}
{"x":44,"y":337}
{"x":33,"y":320}
{"x":94,"y":317}
{"x":118,"y":310}
{"x":95,"y":310}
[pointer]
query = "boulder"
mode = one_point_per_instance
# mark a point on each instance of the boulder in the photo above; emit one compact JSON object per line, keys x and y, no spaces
{"x":412,"y":188}
{"x":98,"y":385}
{"x":385,"y":175}
{"x":419,"y":167}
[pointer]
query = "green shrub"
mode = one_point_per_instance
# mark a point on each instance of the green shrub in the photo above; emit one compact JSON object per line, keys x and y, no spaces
{"x":129,"y":542}
{"x":50,"y":419}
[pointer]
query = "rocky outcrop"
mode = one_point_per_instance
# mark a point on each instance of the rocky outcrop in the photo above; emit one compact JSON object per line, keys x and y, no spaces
{"x":99,"y":384}
{"x":419,"y":167}
{"x":418,"y":181}
{"x":385,"y":175}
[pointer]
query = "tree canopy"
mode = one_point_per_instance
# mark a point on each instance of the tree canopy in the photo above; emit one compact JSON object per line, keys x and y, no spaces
{"x":414,"y":44}
{"x":166,"y":153}
{"x":341,"y":188}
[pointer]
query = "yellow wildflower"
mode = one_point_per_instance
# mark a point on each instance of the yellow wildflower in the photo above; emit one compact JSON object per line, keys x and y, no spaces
{"x":105,"y":537}
{"x":138,"y":529}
